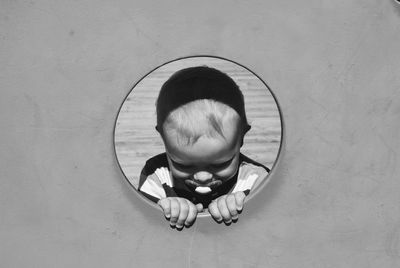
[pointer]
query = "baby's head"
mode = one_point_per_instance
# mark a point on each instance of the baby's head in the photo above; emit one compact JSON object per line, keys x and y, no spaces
{"x":201,"y":118}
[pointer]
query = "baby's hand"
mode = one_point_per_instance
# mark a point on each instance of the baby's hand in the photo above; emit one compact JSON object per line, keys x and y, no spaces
{"x":226,"y":208}
{"x":179,"y":211}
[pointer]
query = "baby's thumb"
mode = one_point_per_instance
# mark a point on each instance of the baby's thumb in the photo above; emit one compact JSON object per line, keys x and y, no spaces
{"x":199,"y":207}
{"x":240,"y":197}
{"x":166,"y":207}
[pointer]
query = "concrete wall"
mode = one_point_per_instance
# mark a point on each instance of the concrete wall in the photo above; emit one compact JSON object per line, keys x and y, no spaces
{"x":333,"y":199}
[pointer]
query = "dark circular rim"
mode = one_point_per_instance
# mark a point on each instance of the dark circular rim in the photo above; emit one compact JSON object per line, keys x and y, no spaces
{"x":253,"y":192}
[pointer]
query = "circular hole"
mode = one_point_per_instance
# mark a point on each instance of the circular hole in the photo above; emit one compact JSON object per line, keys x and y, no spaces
{"x":137,"y":141}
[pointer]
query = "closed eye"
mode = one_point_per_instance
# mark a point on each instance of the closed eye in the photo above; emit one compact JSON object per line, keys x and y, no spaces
{"x":223,"y":164}
{"x":181,"y":166}
{"x":214,"y":166}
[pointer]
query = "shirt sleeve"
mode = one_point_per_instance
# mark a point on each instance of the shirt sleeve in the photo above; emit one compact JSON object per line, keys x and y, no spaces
{"x":153,"y":187}
{"x":157,"y":185}
{"x":249,"y":176}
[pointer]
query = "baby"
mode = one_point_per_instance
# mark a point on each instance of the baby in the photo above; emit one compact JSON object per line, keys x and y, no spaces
{"x":202,"y":121}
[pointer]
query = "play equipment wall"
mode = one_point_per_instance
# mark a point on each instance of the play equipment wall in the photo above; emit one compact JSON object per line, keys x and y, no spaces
{"x":333,"y":199}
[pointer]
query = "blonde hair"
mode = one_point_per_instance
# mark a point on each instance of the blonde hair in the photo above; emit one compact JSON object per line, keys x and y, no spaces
{"x":204,"y":117}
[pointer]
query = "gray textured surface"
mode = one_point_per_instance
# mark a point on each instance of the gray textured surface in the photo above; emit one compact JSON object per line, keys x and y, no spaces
{"x":333,"y":200}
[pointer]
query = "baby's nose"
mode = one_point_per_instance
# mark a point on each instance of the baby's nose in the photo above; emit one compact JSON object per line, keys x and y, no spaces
{"x":203,"y":176}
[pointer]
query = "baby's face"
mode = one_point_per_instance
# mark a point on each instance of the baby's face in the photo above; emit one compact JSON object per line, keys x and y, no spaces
{"x":209,"y":162}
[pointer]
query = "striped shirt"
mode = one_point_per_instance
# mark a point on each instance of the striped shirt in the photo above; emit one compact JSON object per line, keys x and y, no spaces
{"x":156,"y":181}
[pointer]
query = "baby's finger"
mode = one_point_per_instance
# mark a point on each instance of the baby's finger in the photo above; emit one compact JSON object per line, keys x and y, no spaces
{"x":223,"y":209}
{"x":213,"y":209}
{"x":239,"y":197}
{"x":165,"y":204}
{"x":175,"y":207}
{"x":231,"y":204}
{"x":183,"y":212}
{"x":199,"y":207}
{"x":191,"y":215}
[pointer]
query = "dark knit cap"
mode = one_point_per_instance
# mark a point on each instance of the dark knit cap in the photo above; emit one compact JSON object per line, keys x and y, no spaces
{"x":197,"y":83}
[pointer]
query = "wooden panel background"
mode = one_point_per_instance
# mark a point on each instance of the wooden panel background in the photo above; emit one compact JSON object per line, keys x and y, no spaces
{"x":136,"y":139}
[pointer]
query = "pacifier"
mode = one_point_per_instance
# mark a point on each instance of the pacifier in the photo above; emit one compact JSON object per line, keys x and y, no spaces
{"x":202,"y":190}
